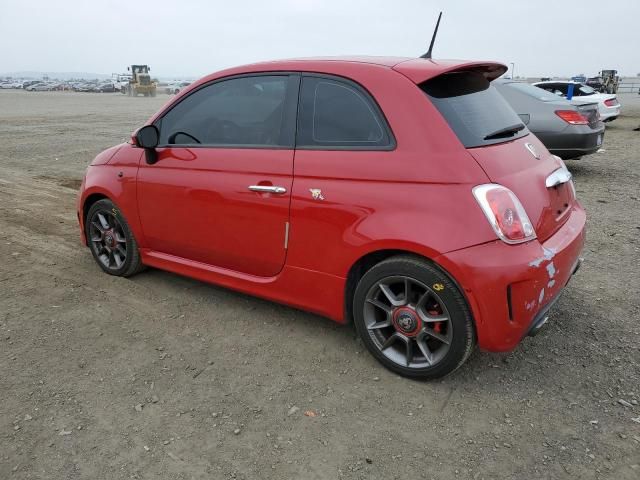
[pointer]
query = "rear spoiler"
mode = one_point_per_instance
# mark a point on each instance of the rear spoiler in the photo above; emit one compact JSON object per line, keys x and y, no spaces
{"x":420,"y":70}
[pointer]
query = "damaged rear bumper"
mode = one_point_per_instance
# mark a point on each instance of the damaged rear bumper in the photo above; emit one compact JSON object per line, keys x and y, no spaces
{"x":511,"y":288}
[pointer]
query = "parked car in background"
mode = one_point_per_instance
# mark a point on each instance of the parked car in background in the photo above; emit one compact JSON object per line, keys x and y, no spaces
{"x":420,"y":207}
{"x":593,"y":82}
{"x":608,"y":104}
{"x":577,"y":78}
{"x":121,"y":81}
{"x":567,"y":130}
{"x":107,"y":87}
{"x":174,"y":88}
{"x":88,"y":87}
{"x":8,"y":85}
{"x":28,"y":83}
{"x":39,"y":87}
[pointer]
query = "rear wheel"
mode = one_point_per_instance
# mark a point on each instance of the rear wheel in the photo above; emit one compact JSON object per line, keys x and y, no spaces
{"x":111,"y":241}
{"x":413,"y":318}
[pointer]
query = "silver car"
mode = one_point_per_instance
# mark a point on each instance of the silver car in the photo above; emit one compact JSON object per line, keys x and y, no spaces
{"x":567,"y":130}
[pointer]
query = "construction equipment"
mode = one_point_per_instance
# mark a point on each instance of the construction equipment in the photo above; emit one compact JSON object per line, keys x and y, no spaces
{"x":610,"y":81}
{"x":140,"y":82}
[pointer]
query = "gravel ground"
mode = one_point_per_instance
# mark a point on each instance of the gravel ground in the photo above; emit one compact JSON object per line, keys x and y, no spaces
{"x":160,"y":376}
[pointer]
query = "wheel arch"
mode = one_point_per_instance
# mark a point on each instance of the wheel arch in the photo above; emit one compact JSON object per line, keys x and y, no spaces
{"x":368,"y":260}
{"x":89,"y":201}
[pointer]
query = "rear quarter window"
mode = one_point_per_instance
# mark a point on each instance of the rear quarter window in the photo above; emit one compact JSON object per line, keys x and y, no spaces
{"x":338,"y":114}
{"x":474,"y":109}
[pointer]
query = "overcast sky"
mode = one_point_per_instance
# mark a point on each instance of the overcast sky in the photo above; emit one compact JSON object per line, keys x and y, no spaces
{"x":196,"y":37}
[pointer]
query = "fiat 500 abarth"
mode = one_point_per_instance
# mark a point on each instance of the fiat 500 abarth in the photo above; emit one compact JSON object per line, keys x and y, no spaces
{"x":403,"y":195}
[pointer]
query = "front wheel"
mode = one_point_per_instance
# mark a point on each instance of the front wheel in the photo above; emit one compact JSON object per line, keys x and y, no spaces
{"x":111,"y":241}
{"x":413,"y":318}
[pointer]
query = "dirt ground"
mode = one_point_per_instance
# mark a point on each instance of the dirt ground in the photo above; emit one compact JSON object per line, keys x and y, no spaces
{"x":163,"y":377}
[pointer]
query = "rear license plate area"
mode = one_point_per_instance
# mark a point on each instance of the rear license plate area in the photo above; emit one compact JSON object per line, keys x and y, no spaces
{"x":560,"y":199}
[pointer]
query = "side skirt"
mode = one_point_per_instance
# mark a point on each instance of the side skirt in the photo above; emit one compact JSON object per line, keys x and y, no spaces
{"x":309,"y":290}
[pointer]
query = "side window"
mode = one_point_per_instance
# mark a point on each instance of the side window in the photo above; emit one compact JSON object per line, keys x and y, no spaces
{"x":244,"y":111}
{"x":336,"y":114}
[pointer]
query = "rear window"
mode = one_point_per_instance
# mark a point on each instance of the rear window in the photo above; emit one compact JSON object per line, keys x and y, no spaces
{"x":586,"y":90}
{"x":474,"y":109}
{"x":530,"y":90}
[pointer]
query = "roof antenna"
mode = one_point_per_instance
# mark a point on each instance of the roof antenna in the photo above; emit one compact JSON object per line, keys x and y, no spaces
{"x":433,"y":39}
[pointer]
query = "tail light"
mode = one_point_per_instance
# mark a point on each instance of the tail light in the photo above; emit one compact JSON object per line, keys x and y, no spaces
{"x":572,"y":117}
{"x":505,"y":213}
{"x":612,"y":102}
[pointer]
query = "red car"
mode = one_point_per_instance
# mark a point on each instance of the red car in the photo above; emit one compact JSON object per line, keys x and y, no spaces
{"x":403,"y":195}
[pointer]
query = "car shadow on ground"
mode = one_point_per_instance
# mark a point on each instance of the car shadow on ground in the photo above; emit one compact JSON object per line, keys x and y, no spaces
{"x":342,"y":340}
{"x":580,"y":169}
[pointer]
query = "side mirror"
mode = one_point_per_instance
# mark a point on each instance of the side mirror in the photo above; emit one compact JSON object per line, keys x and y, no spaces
{"x":148,"y":137}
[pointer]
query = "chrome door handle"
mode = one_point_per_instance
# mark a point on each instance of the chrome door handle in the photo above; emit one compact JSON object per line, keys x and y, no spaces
{"x":267,"y":189}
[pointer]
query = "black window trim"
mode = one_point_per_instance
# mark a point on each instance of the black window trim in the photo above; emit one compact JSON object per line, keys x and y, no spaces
{"x":373,"y":104}
{"x":289,"y":116}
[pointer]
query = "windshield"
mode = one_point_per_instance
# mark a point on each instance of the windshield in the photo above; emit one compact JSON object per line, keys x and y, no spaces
{"x":474,"y":109}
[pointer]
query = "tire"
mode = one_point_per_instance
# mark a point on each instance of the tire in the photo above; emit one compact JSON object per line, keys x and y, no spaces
{"x":112,"y":241}
{"x":421,"y":323}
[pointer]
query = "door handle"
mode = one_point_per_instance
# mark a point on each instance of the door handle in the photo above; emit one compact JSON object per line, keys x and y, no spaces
{"x":267,"y":189}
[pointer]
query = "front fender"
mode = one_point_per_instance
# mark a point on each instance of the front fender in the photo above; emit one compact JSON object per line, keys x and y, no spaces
{"x":115,"y":180}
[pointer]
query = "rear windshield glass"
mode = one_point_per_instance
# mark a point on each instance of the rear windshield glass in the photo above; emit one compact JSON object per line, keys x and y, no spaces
{"x":532,"y":91}
{"x":474,"y":109}
{"x":586,"y":90}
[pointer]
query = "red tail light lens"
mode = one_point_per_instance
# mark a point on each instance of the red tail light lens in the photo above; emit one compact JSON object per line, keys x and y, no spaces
{"x":612,"y":102}
{"x":572,"y":117}
{"x":505,"y":213}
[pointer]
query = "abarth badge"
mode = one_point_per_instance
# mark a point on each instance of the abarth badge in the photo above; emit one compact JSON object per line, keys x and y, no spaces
{"x":316,"y":194}
{"x":532,"y":150}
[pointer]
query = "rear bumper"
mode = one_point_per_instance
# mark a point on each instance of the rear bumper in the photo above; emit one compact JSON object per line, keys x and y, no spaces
{"x":572,"y":144}
{"x":510,"y":288}
{"x":608,"y":114}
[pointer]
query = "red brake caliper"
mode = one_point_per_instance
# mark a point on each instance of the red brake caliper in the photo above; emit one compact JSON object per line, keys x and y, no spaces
{"x":437,"y":327}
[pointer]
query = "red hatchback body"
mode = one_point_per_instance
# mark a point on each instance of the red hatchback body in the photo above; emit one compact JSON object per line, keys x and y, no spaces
{"x":402,"y":194}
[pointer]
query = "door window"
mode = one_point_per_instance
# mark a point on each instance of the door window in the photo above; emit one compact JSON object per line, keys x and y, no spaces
{"x":243,"y":111}
{"x":336,"y":114}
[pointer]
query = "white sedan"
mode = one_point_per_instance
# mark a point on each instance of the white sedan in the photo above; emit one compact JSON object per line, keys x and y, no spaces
{"x":608,"y":104}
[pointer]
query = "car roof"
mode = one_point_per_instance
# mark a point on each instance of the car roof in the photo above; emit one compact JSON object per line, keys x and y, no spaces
{"x":416,"y":69}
